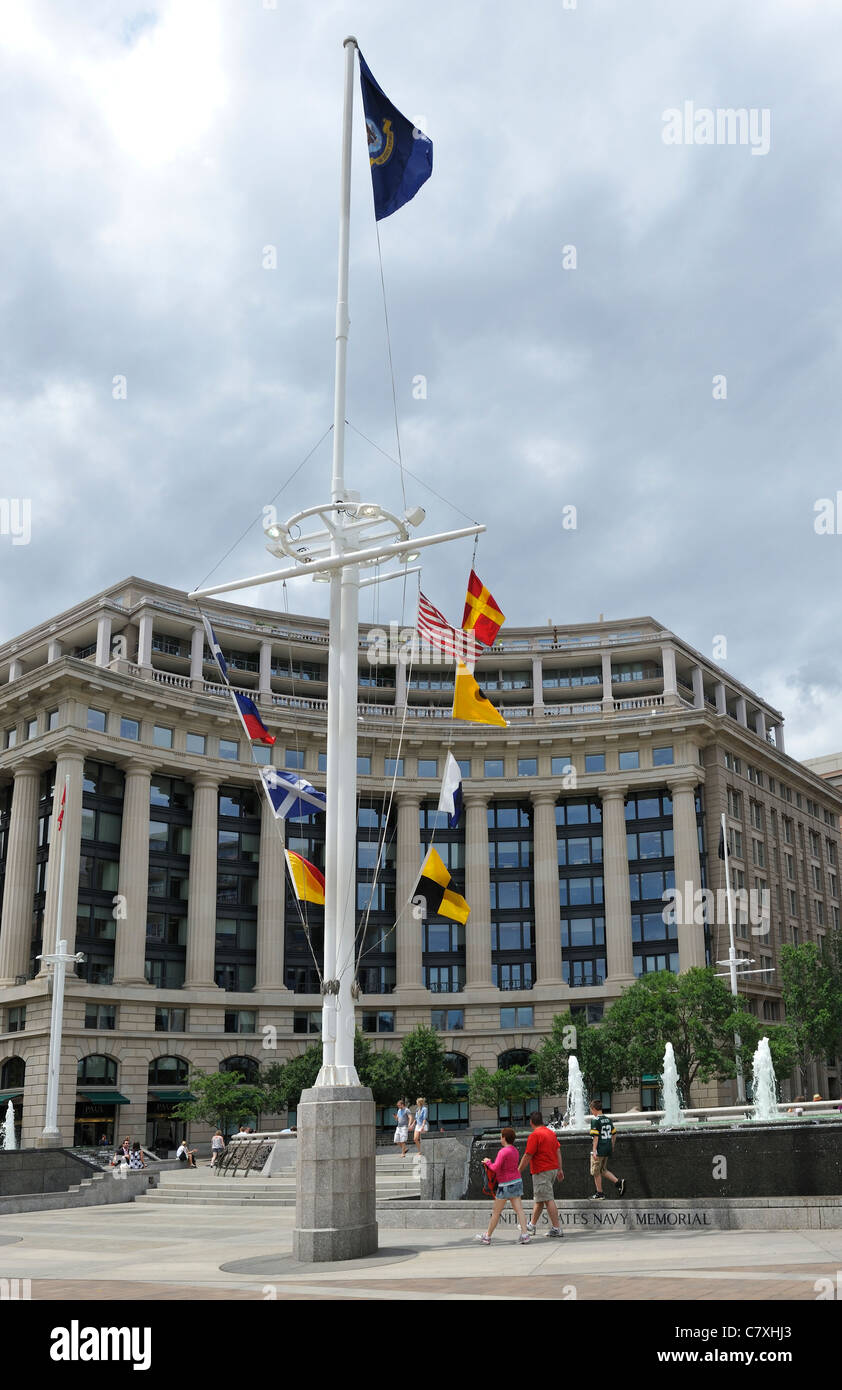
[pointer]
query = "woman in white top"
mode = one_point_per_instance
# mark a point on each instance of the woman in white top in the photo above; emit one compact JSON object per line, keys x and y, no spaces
{"x":420,"y":1126}
{"x":402,"y":1126}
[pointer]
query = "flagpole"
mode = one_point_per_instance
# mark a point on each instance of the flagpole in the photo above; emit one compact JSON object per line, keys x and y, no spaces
{"x":732,"y":965}
{"x":51,"y":1133}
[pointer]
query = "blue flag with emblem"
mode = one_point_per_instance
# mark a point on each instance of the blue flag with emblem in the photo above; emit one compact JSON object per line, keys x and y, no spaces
{"x":290,"y":797}
{"x":400,"y":155}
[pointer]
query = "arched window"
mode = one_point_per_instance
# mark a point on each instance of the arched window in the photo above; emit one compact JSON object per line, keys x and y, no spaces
{"x":12,"y":1074}
{"x":168,"y":1071}
{"x":96,"y":1070}
{"x":247,"y":1065}
{"x":515,"y":1057}
{"x":456,"y":1064}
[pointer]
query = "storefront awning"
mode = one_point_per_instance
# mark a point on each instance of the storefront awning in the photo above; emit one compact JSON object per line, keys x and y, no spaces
{"x":171,"y":1095}
{"x":103,"y":1097}
{"x":10,"y":1095}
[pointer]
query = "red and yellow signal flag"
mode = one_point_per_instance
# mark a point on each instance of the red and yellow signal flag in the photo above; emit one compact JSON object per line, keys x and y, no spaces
{"x":308,"y":883}
{"x":481,"y":616}
{"x":470,"y":704}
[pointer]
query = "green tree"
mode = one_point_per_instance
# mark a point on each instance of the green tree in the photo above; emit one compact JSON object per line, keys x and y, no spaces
{"x":811,"y":986}
{"x":694,"y":1011}
{"x":424,"y":1069}
{"x":284,"y":1081}
{"x":222,"y":1098}
{"x":379,"y":1070}
{"x":506,"y":1086}
{"x":594,"y":1048}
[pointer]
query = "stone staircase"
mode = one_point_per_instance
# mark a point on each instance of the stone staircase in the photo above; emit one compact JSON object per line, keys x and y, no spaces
{"x":396,"y":1179}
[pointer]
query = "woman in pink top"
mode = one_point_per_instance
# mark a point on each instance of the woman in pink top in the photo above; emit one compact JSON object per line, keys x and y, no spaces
{"x":509,"y":1187}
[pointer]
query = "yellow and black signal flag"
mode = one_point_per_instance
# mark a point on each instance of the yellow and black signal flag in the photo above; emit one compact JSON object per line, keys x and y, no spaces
{"x":470,"y":704}
{"x":481,"y":616}
{"x":433,"y":886}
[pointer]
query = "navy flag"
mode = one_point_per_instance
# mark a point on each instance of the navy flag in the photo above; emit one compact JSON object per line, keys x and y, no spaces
{"x":401,"y":157}
{"x":721,"y":850}
{"x":216,"y":650}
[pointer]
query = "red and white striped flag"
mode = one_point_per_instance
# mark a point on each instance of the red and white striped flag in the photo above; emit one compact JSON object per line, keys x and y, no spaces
{"x":435,"y":630}
{"x":61,"y":809}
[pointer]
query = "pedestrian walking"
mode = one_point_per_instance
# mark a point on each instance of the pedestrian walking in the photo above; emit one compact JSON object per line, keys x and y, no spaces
{"x":402,"y":1126}
{"x":603,"y":1133}
{"x":420,"y":1125}
{"x":217,"y":1147}
{"x":543,"y":1154}
{"x":509,"y":1188}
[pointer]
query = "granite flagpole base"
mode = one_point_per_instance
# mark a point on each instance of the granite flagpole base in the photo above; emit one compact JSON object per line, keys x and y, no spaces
{"x":335,"y":1204}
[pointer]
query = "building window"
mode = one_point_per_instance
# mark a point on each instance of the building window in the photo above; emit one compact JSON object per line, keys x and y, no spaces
{"x":195,"y":743}
{"x":393,"y":767}
{"x":229,"y":749}
{"x":294,"y":758}
{"x":771,"y":1010}
{"x":464,"y":765}
{"x":161,"y":736}
{"x":52,"y":720}
{"x":100,"y":1016}
{"x":493,"y":767}
{"x":561,"y":767}
{"x":96,"y":1070}
{"x":428,"y":767}
{"x":378,"y":1021}
{"x":247,"y":1065}
{"x":261,"y":754}
{"x":129,"y":728}
{"x":96,"y":721}
{"x":662,"y":757}
{"x":523,"y":1016}
{"x":240,"y":1021}
{"x":594,"y":762}
{"x":168,"y":1071}
{"x":363,"y":766}
{"x":31,"y":728}
{"x":170,"y":1021}
{"x":16,"y":1019}
{"x":527,"y":767}
{"x":512,"y":975}
{"x":447,"y":1020}
{"x":444,"y":979}
{"x":307,"y":1021}
{"x":629,"y":761}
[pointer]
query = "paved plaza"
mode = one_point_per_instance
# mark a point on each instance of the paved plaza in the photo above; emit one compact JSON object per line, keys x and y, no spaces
{"x":179,"y":1252}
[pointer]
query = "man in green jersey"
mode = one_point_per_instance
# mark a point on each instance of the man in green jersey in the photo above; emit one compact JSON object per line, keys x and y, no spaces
{"x":602,"y":1135}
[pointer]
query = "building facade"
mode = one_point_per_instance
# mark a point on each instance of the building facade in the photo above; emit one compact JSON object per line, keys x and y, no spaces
{"x":603,"y":794}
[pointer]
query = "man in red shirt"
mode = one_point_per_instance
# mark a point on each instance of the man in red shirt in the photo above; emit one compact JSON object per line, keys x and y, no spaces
{"x":543,"y":1154}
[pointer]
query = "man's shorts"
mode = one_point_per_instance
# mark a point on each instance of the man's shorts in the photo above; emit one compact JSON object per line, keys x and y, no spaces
{"x":599,"y":1162}
{"x":542,"y":1185}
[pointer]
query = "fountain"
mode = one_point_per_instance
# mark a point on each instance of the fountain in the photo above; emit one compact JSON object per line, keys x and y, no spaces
{"x":672,"y":1116}
{"x":577,"y":1112}
{"x":764,"y":1086}
{"x":8,"y":1128}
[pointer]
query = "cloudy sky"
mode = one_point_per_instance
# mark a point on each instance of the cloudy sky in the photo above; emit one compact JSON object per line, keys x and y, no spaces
{"x":152,"y":151}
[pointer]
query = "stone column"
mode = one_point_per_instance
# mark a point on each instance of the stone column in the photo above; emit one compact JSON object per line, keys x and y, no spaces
{"x":70,"y":763}
{"x":698,"y":687}
{"x":409,"y":974}
{"x":607,"y":688}
{"x":545,"y":870}
{"x":15,"y":669}
{"x":537,"y":682}
{"x":691,"y":937}
{"x":54,"y":650}
{"x":779,"y":738}
{"x":103,"y":639}
{"x":271,"y":903}
{"x":197,"y":653}
{"x":400,"y":681}
{"x":201,"y":913}
{"x":144,"y":640}
{"x":721,"y":699}
{"x":16,"y":926}
{"x":670,"y":681}
{"x":265,"y":678}
{"x":615,"y":865}
{"x":742,"y":717}
{"x":130,"y":933}
{"x":478,"y":893}
{"x":760,"y":724}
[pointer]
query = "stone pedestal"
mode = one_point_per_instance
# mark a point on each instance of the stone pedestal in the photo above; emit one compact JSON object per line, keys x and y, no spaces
{"x":335,"y":1210}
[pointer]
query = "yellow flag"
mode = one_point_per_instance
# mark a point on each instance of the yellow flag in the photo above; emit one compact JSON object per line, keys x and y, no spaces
{"x":470,"y":704}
